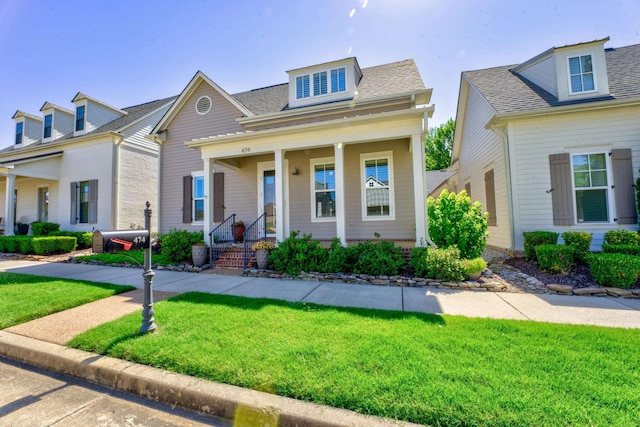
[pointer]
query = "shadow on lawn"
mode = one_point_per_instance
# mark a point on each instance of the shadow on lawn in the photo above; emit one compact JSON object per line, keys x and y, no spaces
{"x":261,"y":303}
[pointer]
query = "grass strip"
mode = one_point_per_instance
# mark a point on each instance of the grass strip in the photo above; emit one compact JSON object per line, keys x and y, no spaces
{"x":429,"y":369}
{"x":121,"y":257}
{"x":24,"y":297}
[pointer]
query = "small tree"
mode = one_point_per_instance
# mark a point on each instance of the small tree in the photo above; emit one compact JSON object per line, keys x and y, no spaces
{"x":438,"y":144}
{"x":454,"y":221}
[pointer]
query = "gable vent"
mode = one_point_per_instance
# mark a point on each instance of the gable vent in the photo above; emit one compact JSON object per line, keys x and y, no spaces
{"x":203,"y":105}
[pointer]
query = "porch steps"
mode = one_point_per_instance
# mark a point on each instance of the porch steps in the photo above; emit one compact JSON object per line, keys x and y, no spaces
{"x":232,"y":258}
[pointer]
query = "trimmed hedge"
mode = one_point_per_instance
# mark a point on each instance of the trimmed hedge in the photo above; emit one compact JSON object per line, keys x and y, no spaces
{"x":622,"y":249}
{"x":44,"y":228}
{"x":439,"y":264}
{"x":613,"y":269}
{"x":581,"y":242}
{"x":537,"y":238}
{"x":296,"y":254}
{"x":84,"y":239}
{"x":37,"y":245}
{"x":555,"y":259}
{"x":622,"y":237}
{"x":379,"y":258}
{"x":176,"y":245}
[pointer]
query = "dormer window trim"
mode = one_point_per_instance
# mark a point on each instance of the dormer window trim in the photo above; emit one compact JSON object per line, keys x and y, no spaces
{"x":321,"y":83}
{"x":80,"y":119}
{"x":48,"y":126}
{"x":19,"y":132}
{"x":582,"y":73}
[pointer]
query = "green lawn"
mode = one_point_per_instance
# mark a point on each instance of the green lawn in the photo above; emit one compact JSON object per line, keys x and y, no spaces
{"x":24,"y":297}
{"x":438,"y":370}
{"x":120,"y":257}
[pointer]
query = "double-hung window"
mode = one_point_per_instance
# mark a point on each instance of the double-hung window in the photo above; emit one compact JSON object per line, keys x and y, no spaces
{"x":303,"y":86}
{"x":323,"y":191}
{"x":84,"y":202}
{"x":591,"y":187}
{"x":338,"y":80}
{"x":198,"y":198}
{"x":377,"y":185}
{"x":48,"y":119}
{"x":80,"y":118}
{"x":581,"y":74}
{"x":19,"y":131}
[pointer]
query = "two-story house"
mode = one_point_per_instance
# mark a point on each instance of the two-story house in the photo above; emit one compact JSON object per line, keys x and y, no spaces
{"x":337,"y":151}
{"x":86,"y":168}
{"x":552,"y":143}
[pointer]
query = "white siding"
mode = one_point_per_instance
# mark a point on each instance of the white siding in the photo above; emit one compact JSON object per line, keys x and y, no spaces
{"x":137,"y":183}
{"x":534,"y":139}
{"x":136,"y":133}
{"x":63,"y":124}
{"x":27,"y":211}
{"x":482,"y":150}
{"x":97,"y":115}
{"x":543,"y":74}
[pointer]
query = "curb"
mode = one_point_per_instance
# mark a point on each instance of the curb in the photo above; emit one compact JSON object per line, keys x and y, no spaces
{"x":244,"y":406}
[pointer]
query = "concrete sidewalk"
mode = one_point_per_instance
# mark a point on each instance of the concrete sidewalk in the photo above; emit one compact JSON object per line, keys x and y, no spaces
{"x":570,"y":309}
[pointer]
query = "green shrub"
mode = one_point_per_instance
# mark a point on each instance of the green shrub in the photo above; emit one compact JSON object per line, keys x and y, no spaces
{"x":622,"y":249}
{"x":555,"y":259}
{"x":176,"y":245}
{"x":25,"y":246}
{"x":613,"y":269}
{"x":536,"y":238}
{"x":440,"y":264}
{"x":622,"y":237}
{"x":378,"y":258}
{"x":337,"y":258}
{"x":455,"y":222}
{"x":53,"y":244}
{"x":581,"y":242}
{"x":12,"y":244}
{"x":296,"y":254}
{"x":473,"y":266}
{"x":84,"y":239}
{"x":44,"y":228}
{"x":417,"y":258}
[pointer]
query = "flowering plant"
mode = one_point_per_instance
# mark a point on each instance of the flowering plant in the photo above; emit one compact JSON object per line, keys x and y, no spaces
{"x":263,"y":245}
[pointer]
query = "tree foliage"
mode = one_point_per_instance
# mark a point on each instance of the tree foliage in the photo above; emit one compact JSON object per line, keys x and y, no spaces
{"x":438,"y":144}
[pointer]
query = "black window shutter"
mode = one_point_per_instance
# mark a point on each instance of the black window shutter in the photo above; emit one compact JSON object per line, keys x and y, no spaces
{"x":490,"y":192}
{"x":187,"y":198}
{"x":93,"y":201}
{"x":623,"y":186}
{"x":561,"y":197}
{"x":218,"y":197}
{"x":73,"y":219}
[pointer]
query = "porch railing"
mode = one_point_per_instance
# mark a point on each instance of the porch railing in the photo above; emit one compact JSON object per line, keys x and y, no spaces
{"x":221,"y":238}
{"x":256,"y":232}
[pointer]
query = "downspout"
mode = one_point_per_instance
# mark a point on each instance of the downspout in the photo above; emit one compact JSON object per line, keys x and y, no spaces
{"x":159,"y":138}
{"x":507,"y":167}
{"x":425,"y":121}
{"x":115,"y":189}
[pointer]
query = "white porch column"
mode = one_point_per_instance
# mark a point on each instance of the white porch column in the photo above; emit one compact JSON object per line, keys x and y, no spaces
{"x":341,"y":221}
{"x":9,"y":220}
{"x":419,"y":190}
{"x":208,"y":197}
{"x":280,"y":208}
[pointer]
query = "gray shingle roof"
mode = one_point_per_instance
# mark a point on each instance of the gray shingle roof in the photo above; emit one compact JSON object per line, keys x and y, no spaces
{"x":508,"y":92}
{"x":381,"y":80}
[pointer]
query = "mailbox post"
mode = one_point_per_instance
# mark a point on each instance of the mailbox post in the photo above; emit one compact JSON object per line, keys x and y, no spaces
{"x":147,"y":308}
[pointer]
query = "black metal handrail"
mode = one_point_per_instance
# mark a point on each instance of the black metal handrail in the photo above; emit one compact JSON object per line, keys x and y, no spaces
{"x":221,"y":238}
{"x":256,"y":232}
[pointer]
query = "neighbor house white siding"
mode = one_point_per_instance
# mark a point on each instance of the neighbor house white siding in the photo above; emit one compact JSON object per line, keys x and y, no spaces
{"x":543,"y":74}
{"x":97,"y":115}
{"x":137,"y":183}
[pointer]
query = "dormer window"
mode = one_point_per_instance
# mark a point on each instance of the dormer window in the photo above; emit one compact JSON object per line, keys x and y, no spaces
{"x":338,"y":80}
{"x":581,"y":74}
{"x":19,"y":132}
{"x":319,"y":83}
{"x":302,"y":87}
{"x":48,"y":119}
{"x":80,"y":118}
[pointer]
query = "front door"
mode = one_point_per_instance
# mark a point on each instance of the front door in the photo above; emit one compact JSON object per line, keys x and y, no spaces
{"x":43,"y":204}
{"x":267,"y":195}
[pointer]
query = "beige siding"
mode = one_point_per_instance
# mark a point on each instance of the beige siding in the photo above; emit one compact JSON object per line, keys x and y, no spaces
{"x":543,"y":74}
{"x":535,"y":139}
{"x":481,"y":151}
{"x":177,"y":160}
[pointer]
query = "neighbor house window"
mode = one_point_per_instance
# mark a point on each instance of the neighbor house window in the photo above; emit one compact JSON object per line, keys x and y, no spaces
{"x":198,"y":198}
{"x":48,"y":119}
{"x":591,"y":187}
{"x":19,"y":131}
{"x":323,"y":191}
{"x":338,"y":80}
{"x":303,"y":87}
{"x":319,"y":83}
{"x":84,"y":202}
{"x":581,"y":74}
{"x":80,"y":118}
{"x":83,"y":217}
{"x":377,"y":182}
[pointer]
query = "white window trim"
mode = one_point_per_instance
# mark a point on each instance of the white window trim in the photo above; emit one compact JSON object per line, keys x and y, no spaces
{"x":86,"y":110}
{"x":312,"y":164}
{"x":610,"y":195}
{"x":329,"y":87}
{"x":345,"y":79}
{"x":15,"y":133}
{"x":595,"y":78}
{"x":309,"y":75}
{"x":44,"y":121}
{"x":194,"y":175}
{"x":363,"y":191}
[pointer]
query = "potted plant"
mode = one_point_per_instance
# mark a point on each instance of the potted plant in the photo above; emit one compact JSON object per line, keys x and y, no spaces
{"x":199,"y":254}
{"x":473,"y":268}
{"x":237,"y":232}
{"x":262,"y":249}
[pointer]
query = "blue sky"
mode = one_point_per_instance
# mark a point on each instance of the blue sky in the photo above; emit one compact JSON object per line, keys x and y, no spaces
{"x":130,"y":52}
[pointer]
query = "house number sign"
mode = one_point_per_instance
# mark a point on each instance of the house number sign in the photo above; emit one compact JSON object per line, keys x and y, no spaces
{"x":245,"y":150}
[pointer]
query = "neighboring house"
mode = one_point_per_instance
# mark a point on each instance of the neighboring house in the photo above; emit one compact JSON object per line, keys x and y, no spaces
{"x":438,"y":181}
{"x":337,"y":151}
{"x":88,"y":168}
{"x":552,"y":143}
